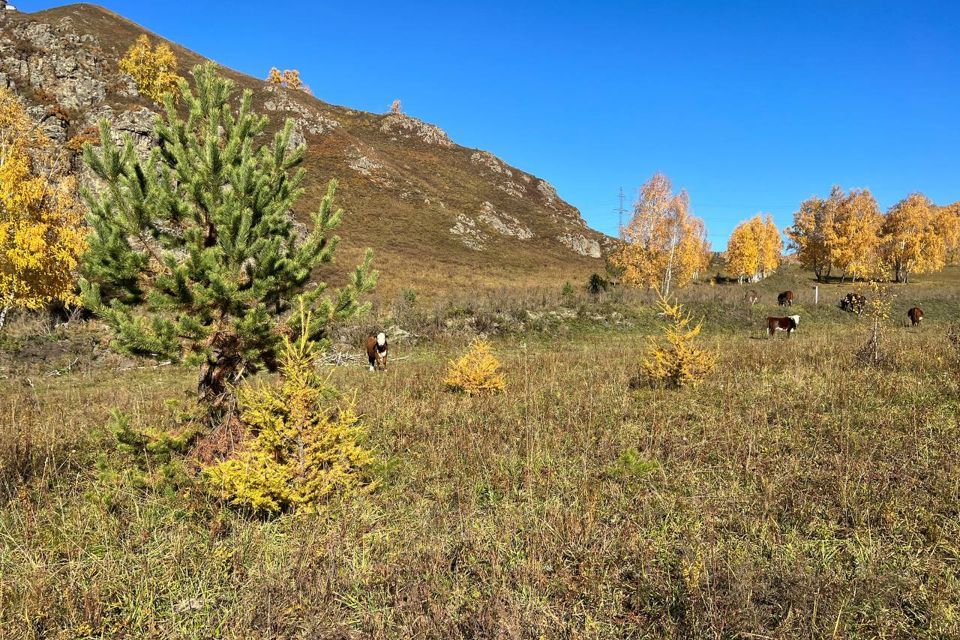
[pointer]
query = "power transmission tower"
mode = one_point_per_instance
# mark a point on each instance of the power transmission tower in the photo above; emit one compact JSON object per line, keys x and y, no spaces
{"x":621,"y":211}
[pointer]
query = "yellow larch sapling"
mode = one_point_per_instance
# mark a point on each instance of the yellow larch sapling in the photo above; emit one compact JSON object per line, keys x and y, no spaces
{"x":476,"y":372}
{"x":301,"y":446}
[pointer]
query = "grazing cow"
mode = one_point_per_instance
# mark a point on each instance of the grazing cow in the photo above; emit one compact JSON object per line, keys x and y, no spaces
{"x":853,"y":303}
{"x":788,"y":324}
{"x":751,"y":297}
{"x":377,"y":352}
{"x":916,"y":316}
{"x":785,"y":299}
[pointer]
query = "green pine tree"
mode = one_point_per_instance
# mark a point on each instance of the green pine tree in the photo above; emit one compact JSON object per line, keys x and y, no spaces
{"x":194,"y":255}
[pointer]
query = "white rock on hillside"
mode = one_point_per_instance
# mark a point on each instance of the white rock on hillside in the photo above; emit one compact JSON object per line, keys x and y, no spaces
{"x":466,"y":229}
{"x":491,"y":162}
{"x":581,"y":244}
{"x":399,"y":124}
{"x":503,"y":223}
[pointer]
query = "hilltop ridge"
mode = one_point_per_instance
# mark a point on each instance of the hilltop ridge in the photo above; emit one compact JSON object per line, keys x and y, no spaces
{"x":437,"y":215}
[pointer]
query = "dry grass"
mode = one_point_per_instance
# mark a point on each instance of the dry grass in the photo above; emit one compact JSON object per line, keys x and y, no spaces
{"x":795,"y":494}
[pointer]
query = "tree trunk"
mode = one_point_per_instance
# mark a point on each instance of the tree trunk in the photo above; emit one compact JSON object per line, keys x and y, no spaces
{"x":6,"y":308}
{"x":222,"y":370}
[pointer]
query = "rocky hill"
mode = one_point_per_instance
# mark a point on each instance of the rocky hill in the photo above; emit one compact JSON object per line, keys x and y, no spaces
{"x":437,"y":215}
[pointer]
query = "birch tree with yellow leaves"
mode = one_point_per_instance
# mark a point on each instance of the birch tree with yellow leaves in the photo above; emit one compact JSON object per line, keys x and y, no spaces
{"x":839,"y":233}
{"x":854,"y":240}
{"x":664,"y":246}
{"x":809,"y":235}
{"x":153,"y":69}
{"x":947,"y":222}
{"x":911,"y":239}
{"x":755,"y":249}
{"x":41,"y":231}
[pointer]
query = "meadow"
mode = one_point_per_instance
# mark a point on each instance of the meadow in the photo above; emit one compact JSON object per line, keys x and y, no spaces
{"x":795,"y":493}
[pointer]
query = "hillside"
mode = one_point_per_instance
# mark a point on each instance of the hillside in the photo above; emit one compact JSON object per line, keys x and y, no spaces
{"x":436,"y":214}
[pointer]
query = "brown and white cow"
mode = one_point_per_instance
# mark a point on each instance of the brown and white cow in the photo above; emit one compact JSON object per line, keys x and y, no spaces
{"x":377,"y":352}
{"x":916,"y":316}
{"x":785,"y":299}
{"x":788,"y":324}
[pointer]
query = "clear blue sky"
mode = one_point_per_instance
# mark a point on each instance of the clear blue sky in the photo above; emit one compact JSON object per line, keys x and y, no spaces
{"x":751,"y":106}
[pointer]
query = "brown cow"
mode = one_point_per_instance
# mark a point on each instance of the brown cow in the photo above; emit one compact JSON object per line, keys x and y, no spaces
{"x":916,"y":316}
{"x":785,"y":299}
{"x":788,"y":324}
{"x":377,"y":352}
{"x":853,"y":303}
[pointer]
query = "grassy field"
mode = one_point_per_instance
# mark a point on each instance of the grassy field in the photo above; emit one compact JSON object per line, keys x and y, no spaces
{"x":797,"y":493}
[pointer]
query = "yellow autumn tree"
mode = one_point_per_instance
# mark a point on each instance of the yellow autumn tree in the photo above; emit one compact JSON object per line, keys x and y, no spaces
{"x":947,"y":222}
{"x":839,"y":233}
{"x":289,"y":78}
{"x":854,"y":239}
{"x":664,"y":245}
{"x":743,"y":252}
{"x":41,"y":230}
{"x":910,"y":240}
{"x":809,"y":235}
{"x":771,"y":247}
{"x":153,"y":69}
{"x":755,"y":249}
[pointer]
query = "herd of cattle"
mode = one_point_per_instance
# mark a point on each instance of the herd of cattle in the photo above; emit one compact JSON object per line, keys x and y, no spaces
{"x":852,"y":302}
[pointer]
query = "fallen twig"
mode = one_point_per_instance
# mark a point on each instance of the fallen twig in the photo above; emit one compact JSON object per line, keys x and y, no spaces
{"x":66,"y":369}
{"x":148,"y":366}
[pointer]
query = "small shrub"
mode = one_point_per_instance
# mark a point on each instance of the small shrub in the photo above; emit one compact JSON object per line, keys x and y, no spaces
{"x":680,"y":361}
{"x":148,"y":458}
{"x":477,"y":372}
{"x":153,"y":69}
{"x":874,"y":351}
{"x":567,"y":290}
{"x":88,"y":136}
{"x":298,"y":451}
{"x":631,"y":465}
{"x":597,"y":284}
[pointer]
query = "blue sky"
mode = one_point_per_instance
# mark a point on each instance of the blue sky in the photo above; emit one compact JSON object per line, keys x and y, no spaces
{"x":751,"y":106}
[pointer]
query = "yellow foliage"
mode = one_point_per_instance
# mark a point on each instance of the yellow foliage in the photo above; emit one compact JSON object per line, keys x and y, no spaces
{"x":664,"y":245}
{"x":154,"y":69}
{"x":947,"y":220}
{"x":854,"y":240}
{"x":879,"y":307}
{"x":841,"y":232}
{"x":41,"y":230}
{"x":476,"y":372}
{"x":298,"y":450}
{"x":755,"y":248}
{"x":289,"y":78}
{"x":911,"y":241}
{"x":676,"y":359}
